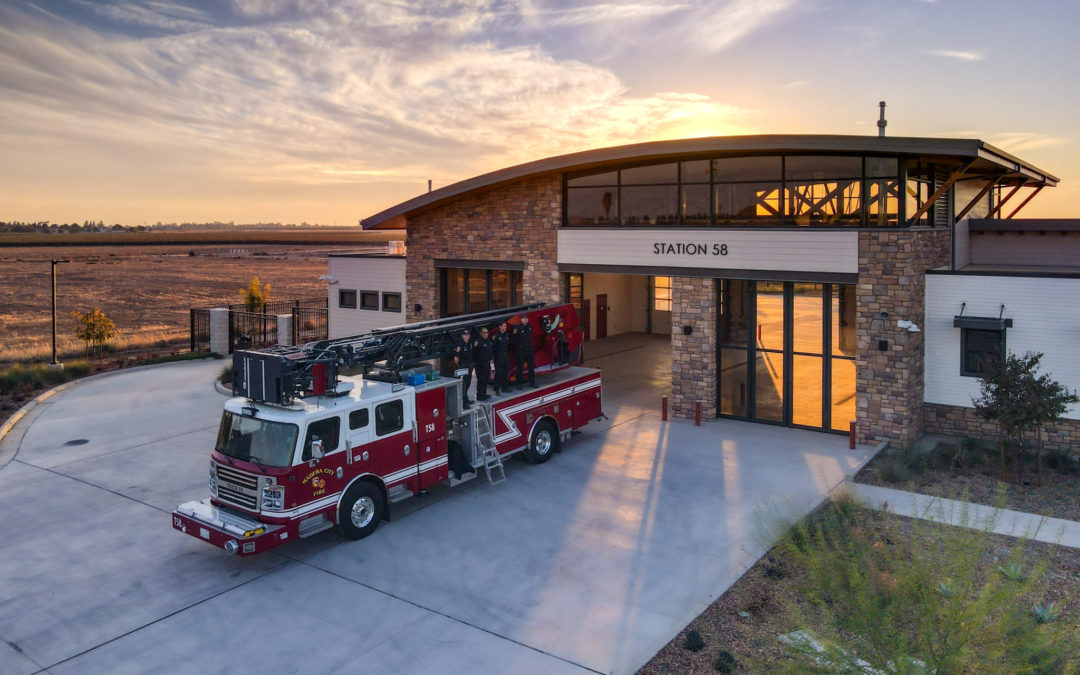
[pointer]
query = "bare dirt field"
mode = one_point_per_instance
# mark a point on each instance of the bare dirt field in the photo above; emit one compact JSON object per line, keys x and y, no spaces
{"x":145,"y":290}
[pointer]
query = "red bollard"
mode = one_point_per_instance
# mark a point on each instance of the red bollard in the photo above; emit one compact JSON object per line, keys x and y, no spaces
{"x":697,"y":413}
{"x":663,"y":409}
{"x":851,"y":436}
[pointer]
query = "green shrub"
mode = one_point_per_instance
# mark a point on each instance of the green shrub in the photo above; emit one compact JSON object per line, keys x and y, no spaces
{"x":225,"y":377}
{"x":893,"y":470}
{"x":26,"y":379}
{"x":912,"y":596}
{"x":725,"y":662}
{"x":694,"y":642}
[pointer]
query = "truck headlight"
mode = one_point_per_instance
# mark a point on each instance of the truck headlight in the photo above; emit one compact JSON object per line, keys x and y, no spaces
{"x":213,"y":479}
{"x":273,"y":497}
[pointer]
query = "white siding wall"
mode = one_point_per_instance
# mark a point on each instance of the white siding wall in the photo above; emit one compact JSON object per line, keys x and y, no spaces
{"x":365,"y":274}
{"x":1046,"y":318}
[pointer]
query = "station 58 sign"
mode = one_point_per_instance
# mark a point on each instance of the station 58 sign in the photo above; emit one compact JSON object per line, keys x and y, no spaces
{"x":665,"y":248}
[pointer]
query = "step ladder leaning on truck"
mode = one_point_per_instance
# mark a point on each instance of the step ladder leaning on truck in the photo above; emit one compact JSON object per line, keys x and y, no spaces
{"x":301,"y":449}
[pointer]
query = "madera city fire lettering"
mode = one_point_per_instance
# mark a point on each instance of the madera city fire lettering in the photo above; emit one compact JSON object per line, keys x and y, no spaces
{"x":689,"y":248}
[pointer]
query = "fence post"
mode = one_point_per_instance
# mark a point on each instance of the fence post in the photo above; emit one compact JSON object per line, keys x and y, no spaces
{"x":285,"y":330}
{"x":221,"y":337}
{"x":191,"y":332}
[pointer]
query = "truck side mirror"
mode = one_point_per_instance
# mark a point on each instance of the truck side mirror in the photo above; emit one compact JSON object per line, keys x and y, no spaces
{"x":317,"y":448}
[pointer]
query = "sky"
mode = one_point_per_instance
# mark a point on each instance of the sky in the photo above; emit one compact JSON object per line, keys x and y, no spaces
{"x":319,"y":111}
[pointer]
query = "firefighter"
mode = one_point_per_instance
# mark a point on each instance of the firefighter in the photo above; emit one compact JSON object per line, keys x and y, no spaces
{"x":523,"y":350}
{"x":482,"y":354}
{"x":500,"y":343}
{"x":464,"y":354}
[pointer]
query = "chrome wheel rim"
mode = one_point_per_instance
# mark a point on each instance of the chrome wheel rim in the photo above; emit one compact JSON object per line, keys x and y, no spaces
{"x":363,"y":510}
{"x":543,"y":442}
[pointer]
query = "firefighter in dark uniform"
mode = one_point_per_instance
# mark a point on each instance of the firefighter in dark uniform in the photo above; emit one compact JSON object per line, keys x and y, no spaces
{"x":464,"y":354}
{"x":500,"y":343}
{"x":482,"y":354}
{"x":523,"y":350}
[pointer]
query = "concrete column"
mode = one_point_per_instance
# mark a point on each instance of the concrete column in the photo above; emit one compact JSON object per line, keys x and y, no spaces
{"x":284,"y":329}
{"x":693,"y":355}
{"x":219,"y":331}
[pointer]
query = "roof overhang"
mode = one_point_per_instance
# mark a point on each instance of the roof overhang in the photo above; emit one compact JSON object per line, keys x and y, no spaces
{"x":981,"y":157}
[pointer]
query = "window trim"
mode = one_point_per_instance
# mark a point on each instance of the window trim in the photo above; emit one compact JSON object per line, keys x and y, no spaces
{"x":362,"y":305}
{"x":394,"y":294}
{"x":343,"y":305}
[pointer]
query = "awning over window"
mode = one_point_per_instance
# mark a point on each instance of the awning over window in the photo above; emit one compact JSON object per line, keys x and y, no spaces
{"x":982,"y":322}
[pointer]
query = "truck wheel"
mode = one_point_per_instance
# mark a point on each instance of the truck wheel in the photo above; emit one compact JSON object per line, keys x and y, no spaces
{"x":360,"y":510}
{"x":544,"y":442}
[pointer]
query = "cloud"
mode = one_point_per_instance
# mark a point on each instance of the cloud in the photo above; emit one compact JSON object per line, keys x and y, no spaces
{"x":1023,"y":141}
{"x":958,"y":55}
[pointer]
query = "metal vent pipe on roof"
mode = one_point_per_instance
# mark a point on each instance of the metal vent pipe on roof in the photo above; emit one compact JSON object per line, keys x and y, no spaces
{"x":429,"y":185}
{"x":881,"y":120}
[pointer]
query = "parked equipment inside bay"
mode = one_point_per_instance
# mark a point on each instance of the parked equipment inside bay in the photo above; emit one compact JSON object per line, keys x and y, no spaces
{"x":301,"y":448}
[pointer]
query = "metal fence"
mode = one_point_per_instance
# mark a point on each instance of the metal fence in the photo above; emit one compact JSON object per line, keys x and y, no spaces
{"x":284,"y":306}
{"x":310,"y":324}
{"x":248,"y":329}
{"x":200,"y":329}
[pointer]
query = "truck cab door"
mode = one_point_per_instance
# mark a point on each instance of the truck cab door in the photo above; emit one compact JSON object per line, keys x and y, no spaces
{"x":431,"y":436}
{"x":393,"y":445}
{"x":359,"y":436}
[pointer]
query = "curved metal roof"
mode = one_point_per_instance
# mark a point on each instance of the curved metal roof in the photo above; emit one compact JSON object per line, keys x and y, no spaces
{"x":985,"y":157}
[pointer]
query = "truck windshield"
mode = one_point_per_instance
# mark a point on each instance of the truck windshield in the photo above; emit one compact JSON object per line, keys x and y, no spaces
{"x":261,"y":441}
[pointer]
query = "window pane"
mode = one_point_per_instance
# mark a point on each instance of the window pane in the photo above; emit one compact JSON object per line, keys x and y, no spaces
{"x":734,"y":311}
{"x":477,"y":291}
{"x":770,"y":315}
{"x":747,"y":203}
{"x":347,"y":299}
{"x":662,"y":294}
{"x":843,"y":393}
{"x":391,"y":302}
{"x":652,"y":205}
{"x":882,"y":203}
{"x":769,"y":386}
{"x":358,"y":419}
{"x":609,"y":178}
{"x":695,"y":172}
{"x":455,"y":292}
{"x":746,"y":169}
{"x":806,"y":384}
{"x":655,"y":173}
{"x":826,"y":203}
{"x":816,"y":167}
{"x":843,"y":320}
{"x":733,"y":382}
{"x":515,"y":288}
{"x":694,"y":208}
{"x":389,"y":417}
{"x":885,"y":167}
{"x":981,"y":349}
{"x":500,"y":289}
{"x":592,"y":206}
{"x":327,"y":431}
{"x":369,"y":300}
{"x":808,"y":318}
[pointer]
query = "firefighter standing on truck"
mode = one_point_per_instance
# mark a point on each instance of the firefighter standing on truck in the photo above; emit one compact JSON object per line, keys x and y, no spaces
{"x":464,"y":355}
{"x":482,"y":354}
{"x":500,"y":343}
{"x":523,"y":350}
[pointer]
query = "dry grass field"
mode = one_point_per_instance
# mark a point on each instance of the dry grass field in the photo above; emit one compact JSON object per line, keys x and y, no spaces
{"x":146,"y":290}
{"x":324,"y":236}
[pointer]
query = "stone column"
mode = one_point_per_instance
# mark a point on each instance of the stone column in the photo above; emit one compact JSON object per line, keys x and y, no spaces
{"x":219,"y":331}
{"x":284,"y":329}
{"x":693,"y":355}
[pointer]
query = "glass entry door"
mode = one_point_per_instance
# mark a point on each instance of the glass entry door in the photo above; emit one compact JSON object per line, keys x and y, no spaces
{"x":786,"y":353}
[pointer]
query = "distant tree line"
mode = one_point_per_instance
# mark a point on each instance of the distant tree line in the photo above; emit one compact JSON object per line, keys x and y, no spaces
{"x":48,"y":227}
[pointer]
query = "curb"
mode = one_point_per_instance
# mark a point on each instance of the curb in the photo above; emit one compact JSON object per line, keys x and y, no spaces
{"x":45,"y":395}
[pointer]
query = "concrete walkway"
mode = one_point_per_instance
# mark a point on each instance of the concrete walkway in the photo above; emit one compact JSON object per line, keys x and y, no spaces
{"x":966,"y":514}
{"x":589,"y":563}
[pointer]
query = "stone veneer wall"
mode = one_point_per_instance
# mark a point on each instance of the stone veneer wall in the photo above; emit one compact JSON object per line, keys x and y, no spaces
{"x":892,"y":278}
{"x":957,"y":421}
{"x":693,"y":357}
{"x":517,"y":222}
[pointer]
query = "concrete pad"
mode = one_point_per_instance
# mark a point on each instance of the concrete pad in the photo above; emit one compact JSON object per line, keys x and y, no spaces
{"x":300,"y":619}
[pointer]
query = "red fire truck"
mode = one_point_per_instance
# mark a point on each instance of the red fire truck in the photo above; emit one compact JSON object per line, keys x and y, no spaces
{"x":301,"y":449}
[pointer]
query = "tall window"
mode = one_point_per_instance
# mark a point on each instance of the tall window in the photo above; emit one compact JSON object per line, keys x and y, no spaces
{"x":465,"y":291}
{"x":662,"y":294}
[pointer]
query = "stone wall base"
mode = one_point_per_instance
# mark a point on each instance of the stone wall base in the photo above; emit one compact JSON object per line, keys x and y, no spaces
{"x":693,"y":355}
{"x":952,"y":420}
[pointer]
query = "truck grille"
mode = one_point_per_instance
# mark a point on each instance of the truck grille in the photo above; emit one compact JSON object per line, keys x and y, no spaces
{"x":238,"y":487}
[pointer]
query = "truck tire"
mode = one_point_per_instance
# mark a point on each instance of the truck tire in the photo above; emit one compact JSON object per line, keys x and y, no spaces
{"x":360,"y":511}
{"x":543,"y":443}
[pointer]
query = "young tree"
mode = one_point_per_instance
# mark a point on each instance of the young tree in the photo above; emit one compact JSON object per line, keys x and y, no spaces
{"x":255,"y":296}
{"x":1049,"y":402}
{"x":95,"y":329}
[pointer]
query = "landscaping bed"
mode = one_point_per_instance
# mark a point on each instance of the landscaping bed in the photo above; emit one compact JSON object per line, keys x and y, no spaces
{"x":881,"y":578}
{"x":971,"y":471}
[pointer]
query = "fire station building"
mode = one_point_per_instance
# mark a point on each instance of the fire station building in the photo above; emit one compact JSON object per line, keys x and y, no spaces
{"x":809,"y":281}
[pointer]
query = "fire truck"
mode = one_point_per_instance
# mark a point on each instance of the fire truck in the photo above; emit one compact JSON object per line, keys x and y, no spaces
{"x":303,"y":447}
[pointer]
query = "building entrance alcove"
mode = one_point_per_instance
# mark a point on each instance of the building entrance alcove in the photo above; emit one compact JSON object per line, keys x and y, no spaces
{"x":786,"y":353}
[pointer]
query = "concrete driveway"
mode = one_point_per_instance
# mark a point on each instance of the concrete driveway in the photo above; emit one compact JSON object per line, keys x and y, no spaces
{"x":591,"y":562}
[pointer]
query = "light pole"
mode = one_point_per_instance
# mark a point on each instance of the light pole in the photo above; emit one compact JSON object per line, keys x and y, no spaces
{"x":55,"y":363}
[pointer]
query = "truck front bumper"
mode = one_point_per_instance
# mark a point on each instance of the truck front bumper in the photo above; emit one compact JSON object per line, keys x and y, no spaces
{"x":232,"y":531}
